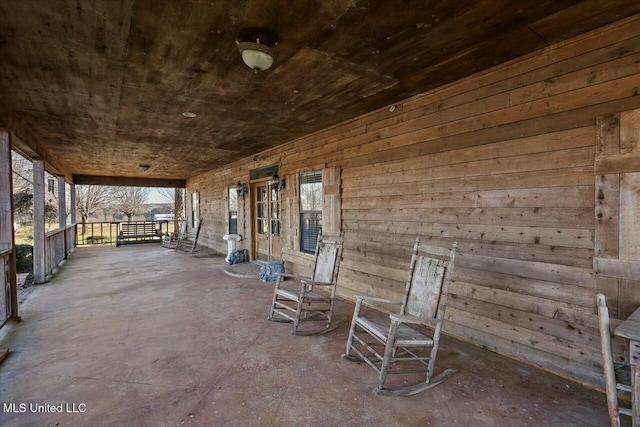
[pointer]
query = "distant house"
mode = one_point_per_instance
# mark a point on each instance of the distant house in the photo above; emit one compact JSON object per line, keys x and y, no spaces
{"x":163,"y":217}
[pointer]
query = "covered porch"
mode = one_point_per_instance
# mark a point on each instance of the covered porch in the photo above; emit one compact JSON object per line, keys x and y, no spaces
{"x":511,"y":130}
{"x":172,"y":340}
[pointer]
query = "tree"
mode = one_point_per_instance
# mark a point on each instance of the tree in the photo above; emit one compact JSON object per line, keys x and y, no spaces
{"x":22,"y":189}
{"x":90,"y":199}
{"x":129,"y":200}
{"x":23,"y":207}
{"x":50,"y":215}
{"x":174,"y":196}
{"x":166,"y":194}
{"x":22,"y":174}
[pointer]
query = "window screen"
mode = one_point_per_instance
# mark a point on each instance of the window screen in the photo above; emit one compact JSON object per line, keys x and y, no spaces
{"x":310,"y":210}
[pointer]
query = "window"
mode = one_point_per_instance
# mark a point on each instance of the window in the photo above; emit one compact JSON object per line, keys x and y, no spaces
{"x":310,"y":210}
{"x":195,"y":209}
{"x":233,"y":210}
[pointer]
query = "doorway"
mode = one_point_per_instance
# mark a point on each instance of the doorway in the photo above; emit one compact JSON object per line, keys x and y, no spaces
{"x":265,"y":208}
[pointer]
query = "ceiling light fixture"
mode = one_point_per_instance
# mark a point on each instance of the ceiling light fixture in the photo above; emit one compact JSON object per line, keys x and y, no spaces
{"x":144,"y":168}
{"x":256,"y":46}
{"x":189,"y":114}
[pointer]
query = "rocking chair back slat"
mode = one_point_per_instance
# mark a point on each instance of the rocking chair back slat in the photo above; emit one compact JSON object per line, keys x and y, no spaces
{"x":425,"y":286}
{"x":327,"y":258}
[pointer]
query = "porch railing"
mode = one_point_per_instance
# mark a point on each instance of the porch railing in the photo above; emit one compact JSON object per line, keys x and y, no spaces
{"x":106,"y":233}
{"x":57,"y":245}
{"x":71,"y":237}
{"x":97,"y":233}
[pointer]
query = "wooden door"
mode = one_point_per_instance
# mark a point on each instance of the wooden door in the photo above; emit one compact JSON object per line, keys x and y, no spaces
{"x":266,"y":221}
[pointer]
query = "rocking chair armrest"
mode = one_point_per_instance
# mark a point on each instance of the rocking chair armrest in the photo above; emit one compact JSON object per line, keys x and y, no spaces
{"x":316,"y":283}
{"x":291,"y":276}
{"x":376,"y":299}
{"x":413,"y":320}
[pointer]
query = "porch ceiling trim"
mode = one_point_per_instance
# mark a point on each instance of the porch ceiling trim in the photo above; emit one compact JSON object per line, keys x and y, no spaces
{"x":128,"y":181}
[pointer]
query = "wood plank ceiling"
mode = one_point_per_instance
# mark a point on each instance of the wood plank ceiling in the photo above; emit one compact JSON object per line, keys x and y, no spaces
{"x":99,"y":87}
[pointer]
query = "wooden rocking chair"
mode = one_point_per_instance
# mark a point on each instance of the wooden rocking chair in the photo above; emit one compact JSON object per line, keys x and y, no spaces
{"x":616,"y":378}
{"x":170,"y":240}
{"x":395,"y":345}
{"x":304,"y":304}
{"x":185,"y":244}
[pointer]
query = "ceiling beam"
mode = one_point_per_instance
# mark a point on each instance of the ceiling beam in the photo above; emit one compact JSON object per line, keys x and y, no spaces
{"x":124,"y":181}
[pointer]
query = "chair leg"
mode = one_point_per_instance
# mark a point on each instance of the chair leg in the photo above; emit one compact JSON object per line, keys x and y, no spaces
{"x":333,"y":297}
{"x":298,"y":314}
{"x":432,"y":359}
{"x":388,"y":353}
{"x":352,"y":331}
{"x":273,"y":302}
{"x":272,"y":313}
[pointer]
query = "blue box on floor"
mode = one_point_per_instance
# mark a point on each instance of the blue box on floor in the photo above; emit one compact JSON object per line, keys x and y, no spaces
{"x":269,"y":270}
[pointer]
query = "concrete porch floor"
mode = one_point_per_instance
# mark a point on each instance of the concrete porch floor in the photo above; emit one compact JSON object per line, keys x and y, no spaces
{"x":145,"y":336}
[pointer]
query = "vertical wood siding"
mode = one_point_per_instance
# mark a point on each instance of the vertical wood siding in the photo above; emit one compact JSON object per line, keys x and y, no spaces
{"x":503,"y":163}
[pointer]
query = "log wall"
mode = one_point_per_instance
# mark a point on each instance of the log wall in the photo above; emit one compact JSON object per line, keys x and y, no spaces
{"x":507,"y":163}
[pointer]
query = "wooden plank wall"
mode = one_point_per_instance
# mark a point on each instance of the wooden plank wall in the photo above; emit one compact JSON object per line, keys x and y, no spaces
{"x":617,"y":198}
{"x":503,"y":163}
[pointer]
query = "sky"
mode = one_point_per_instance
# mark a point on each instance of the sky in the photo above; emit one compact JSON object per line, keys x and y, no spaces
{"x":154,"y":196}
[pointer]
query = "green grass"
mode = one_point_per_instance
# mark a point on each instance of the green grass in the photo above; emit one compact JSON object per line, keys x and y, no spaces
{"x":24,"y":235}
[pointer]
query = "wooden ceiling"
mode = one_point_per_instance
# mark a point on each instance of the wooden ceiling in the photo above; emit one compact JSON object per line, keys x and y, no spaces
{"x":98,"y":87}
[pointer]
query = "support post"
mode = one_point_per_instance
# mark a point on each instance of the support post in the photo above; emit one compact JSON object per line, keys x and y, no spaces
{"x":177,"y":209}
{"x":7,"y":237}
{"x":72,"y":202}
{"x":39,"y":263}
{"x":62,"y":211}
{"x":62,"y":203}
{"x":72,"y":216}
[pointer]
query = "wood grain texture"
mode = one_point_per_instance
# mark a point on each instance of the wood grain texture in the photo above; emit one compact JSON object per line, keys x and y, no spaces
{"x":503,"y":163}
{"x":630,"y":216}
{"x":103,"y":89}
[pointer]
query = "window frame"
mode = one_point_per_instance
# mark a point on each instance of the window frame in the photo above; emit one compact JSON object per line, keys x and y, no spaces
{"x":232,"y":194}
{"x":195,"y":209}
{"x":313,"y":214}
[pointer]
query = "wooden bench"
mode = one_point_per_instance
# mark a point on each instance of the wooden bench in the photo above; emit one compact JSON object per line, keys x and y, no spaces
{"x":138,"y":232}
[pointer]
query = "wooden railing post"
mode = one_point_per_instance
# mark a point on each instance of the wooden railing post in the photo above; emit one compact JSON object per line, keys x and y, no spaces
{"x":7,"y":239}
{"x":72,"y":214}
{"x":62,"y":210}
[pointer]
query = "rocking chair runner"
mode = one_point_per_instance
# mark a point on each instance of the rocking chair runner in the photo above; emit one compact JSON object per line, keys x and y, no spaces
{"x":394,"y":345}
{"x":306,"y":304}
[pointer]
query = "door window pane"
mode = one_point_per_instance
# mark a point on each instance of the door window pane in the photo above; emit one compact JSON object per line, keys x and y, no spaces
{"x":233,"y":210}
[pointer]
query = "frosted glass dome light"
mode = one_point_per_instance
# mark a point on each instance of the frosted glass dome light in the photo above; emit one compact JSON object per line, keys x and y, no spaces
{"x":257,"y":56}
